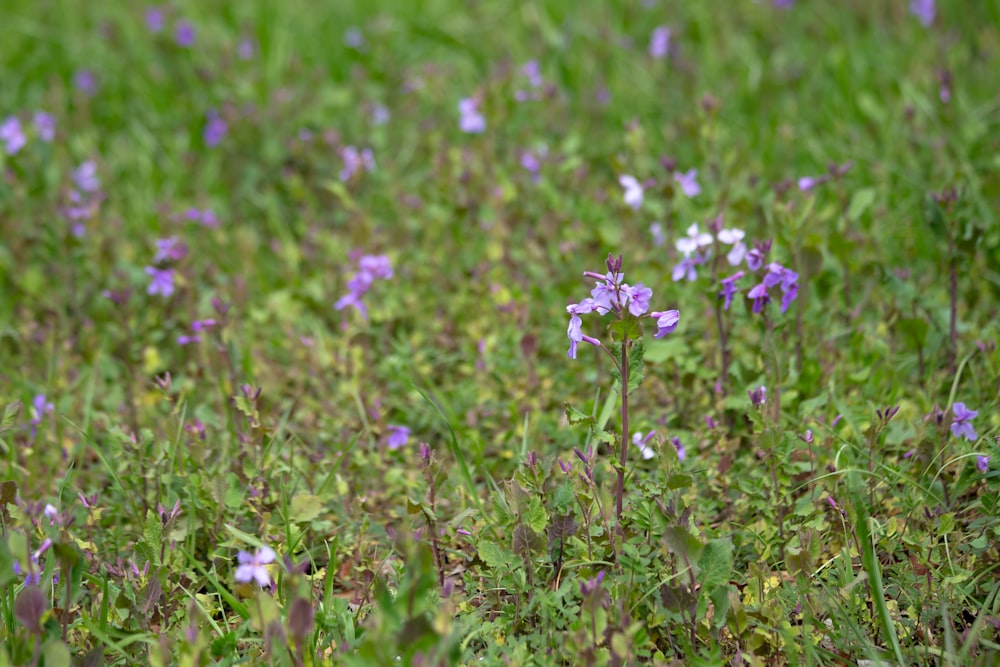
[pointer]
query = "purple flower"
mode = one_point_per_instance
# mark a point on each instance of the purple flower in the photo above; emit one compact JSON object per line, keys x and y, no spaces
{"x":170,"y":248}
{"x":758,"y":396}
{"x":679,"y":446}
{"x":398,"y":436}
{"x":533,"y":72}
{"x":12,"y":135}
{"x":380,"y":114}
{"x":45,"y":125}
{"x":760,"y":297}
{"x":688,"y":182}
{"x":184,"y":34}
{"x":659,"y":42}
{"x":983,"y":464}
{"x":215,"y":128}
{"x":188,"y":340}
{"x":591,"y":586}
{"x":246,"y":49}
{"x":788,"y":279}
{"x":960,"y":426}
{"x":355,"y":160}
{"x":807,"y":183}
{"x":642,"y":443}
{"x":633,"y":191}
{"x":40,"y":407}
{"x":161,"y":281}
{"x":85,"y":177}
{"x":757,"y":255}
{"x":86,"y":82}
{"x":656,"y":231}
{"x":354,"y":38}
{"x":370,"y":267}
{"x":155,"y":19}
{"x":924,"y":10}
{"x":729,"y":288}
{"x":638,"y":298}
{"x":686,"y":269}
{"x":253,"y":567}
{"x":693,"y":241}
{"x":666,"y":322}
{"x":471,"y":122}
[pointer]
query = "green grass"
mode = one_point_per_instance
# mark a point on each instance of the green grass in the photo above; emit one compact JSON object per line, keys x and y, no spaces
{"x":873,"y":540}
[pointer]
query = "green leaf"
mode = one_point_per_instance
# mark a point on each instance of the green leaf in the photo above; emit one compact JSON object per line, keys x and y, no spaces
{"x":934,"y":217}
{"x":563,"y":497}
{"x":915,"y":330}
{"x":575,"y":417}
{"x":679,"y":480}
{"x":493,"y":555}
{"x":10,"y":414}
{"x":536,"y":517}
{"x":681,"y":542}
{"x":263,"y":610}
{"x":153,"y":535}
{"x":860,"y":202}
{"x":305,"y":507}
{"x":716,"y":564}
{"x":720,"y":599}
{"x":55,"y":654}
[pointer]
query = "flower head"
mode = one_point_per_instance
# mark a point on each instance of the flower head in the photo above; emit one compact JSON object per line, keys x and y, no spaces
{"x":161,"y":281}
{"x":659,"y":42}
{"x":729,"y":288}
{"x":253,"y":567}
{"x":688,"y":182}
{"x":184,"y":34}
{"x":45,"y":125}
{"x":86,"y":82}
{"x":633,"y":191}
{"x":679,"y":446}
{"x":215,"y":128}
{"x":733,"y":237}
{"x":666,"y":322}
{"x":85,"y":177}
{"x":12,"y":135}
{"x":694,"y":240}
{"x":983,"y":464}
{"x":924,"y":10}
{"x":960,"y":426}
{"x":155,"y":19}
{"x":355,"y":160}
{"x":471,"y":121}
{"x":398,"y":436}
{"x":642,"y":443}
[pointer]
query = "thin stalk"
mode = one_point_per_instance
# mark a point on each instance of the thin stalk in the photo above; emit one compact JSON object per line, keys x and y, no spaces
{"x":623,"y":459}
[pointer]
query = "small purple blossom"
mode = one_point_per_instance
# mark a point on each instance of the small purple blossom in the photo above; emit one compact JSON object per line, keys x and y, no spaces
{"x":215,"y":128}
{"x":633,"y":191}
{"x":642,"y":444}
{"x":85,"y":177}
{"x":156,"y":20}
{"x":688,"y":182}
{"x":729,"y":288}
{"x":924,"y":10}
{"x":983,"y":464}
{"x":398,"y":436}
{"x":758,"y":396}
{"x":760,"y":297}
{"x":184,"y":34}
{"x":679,"y":446}
{"x":656,"y":231}
{"x":169,"y":249}
{"x":686,"y":269}
{"x":757,"y":255}
{"x":45,"y":125}
{"x":659,"y":42}
{"x":86,"y":82}
{"x":591,"y":586}
{"x":253,"y":567}
{"x":370,"y":268}
{"x":638,"y":296}
{"x":40,"y":407}
{"x":471,"y":121}
{"x":12,"y":135}
{"x":666,"y":322}
{"x":355,"y":160}
{"x":960,"y":423}
{"x":246,"y":49}
{"x":807,"y":183}
{"x":161,"y":281}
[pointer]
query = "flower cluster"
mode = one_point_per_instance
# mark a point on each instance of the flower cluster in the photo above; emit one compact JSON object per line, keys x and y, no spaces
{"x":471,"y":121}
{"x":370,"y":267}
{"x":613,"y":294}
{"x":775,"y":275}
{"x":84,"y":198}
{"x":356,"y":160}
{"x":533,"y":74}
{"x":692,"y":245}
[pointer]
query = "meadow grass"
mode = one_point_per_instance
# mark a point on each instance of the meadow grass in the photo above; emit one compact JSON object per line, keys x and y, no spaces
{"x":283,"y":333}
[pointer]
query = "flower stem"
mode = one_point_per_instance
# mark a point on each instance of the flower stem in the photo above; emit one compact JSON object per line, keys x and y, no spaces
{"x":623,"y":459}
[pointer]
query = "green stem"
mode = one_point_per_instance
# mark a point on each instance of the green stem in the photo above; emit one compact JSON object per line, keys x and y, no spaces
{"x":623,"y":459}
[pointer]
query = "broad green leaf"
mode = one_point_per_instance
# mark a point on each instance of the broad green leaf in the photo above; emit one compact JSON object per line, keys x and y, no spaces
{"x":716,"y":564}
{"x":305,"y":507}
{"x":536,"y":517}
{"x":861,"y":201}
{"x":493,"y":555}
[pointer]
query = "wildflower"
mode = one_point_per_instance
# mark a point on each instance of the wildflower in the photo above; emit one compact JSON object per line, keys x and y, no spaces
{"x":686,"y":269}
{"x":161,"y":281}
{"x":40,"y":407}
{"x":758,"y":396}
{"x":45,"y":125}
{"x":86,"y":82}
{"x":575,"y":331}
{"x":641,"y":443}
{"x":215,"y":128}
{"x":51,"y":512}
{"x":380,"y":114}
{"x":693,"y":241}
{"x":471,"y":122}
{"x":760,"y":297}
{"x":808,"y":438}
{"x":185,"y":339}
{"x":983,"y":464}
{"x":638,"y":296}
{"x":733,"y":237}
{"x":201,"y":325}
{"x":756,"y":256}
{"x":12,"y":135}
{"x":354,"y":38}
{"x":656,"y":231}
{"x":788,"y":279}
{"x":729,"y":288}
{"x":246,"y":49}
{"x":85,"y":177}
{"x":397,"y":437}
{"x":370,"y":268}
{"x":354,"y":160}
{"x":688,"y":182}
{"x":679,"y":446}
{"x":924,"y":10}
{"x":155,"y":19}
{"x":633,"y":191}
{"x":659,"y":42}
{"x":533,"y":74}
{"x":666,"y":322}
{"x":425,"y":452}
{"x":184,"y":34}
{"x":253,"y":567}
{"x":170,"y":248}
{"x":591,"y":586}
{"x":807,"y":183}
{"x":960,"y":426}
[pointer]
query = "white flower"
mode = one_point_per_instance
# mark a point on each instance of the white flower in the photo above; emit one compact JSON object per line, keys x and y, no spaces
{"x":693,"y":240}
{"x":633,"y":191}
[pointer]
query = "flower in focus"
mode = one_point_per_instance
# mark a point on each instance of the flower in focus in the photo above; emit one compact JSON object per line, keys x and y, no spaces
{"x":253,"y":567}
{"x":666,"y":322}
{"x":161,"y":281}
{"x":633,"y":191}
{"x":659,"y":42}
{"x":688,"y":182}
{"x":960,"y":426}
{"x":642,"y":443}
{"x":397,"y":437}
{"x":472,"y":121}
{"x":12,"y":135}
{"x":638,"y":296}
{"x":924,"y":10}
